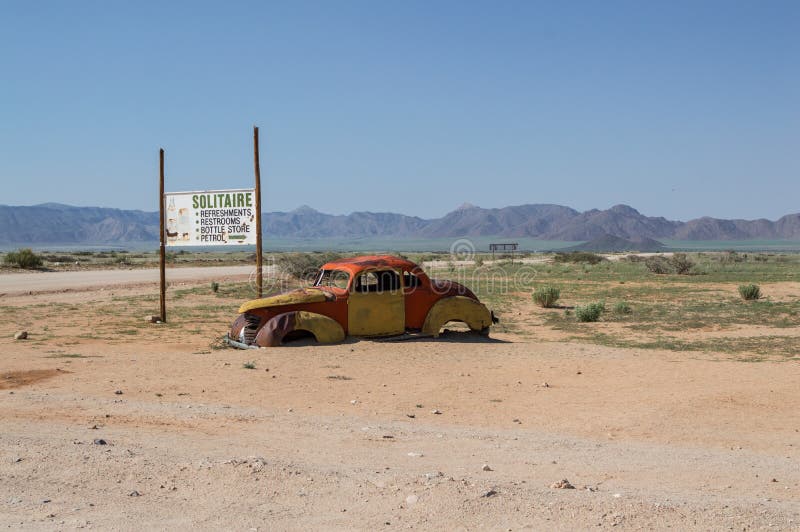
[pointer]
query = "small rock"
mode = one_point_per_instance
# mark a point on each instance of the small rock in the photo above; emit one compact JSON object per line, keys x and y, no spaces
{"x":353,"y":402}
{"x":152,"y":319}
{"x":436,"y":474}
{"x":93,"y":427}
{"x":545,"y":385}
{"x":436,"y":411}
{"x":257,"y":464}
{"x":100,"y":441}
{"x":387,"y":437}
{"x":45,"y":501}
{"x":20,"y":335}
{"x":487,"y":468}
{"x":415,"y":455}
{"x":118,"y":392}
{"x":420,"y":406}
{"x":617,"y":495}
{"x":412,"y":416}
{"x":516,"y":420}
{"x":412,"y":499}
{"x":774,"y":480}
{"x":562,"y":485}
{"x":490,"y":493}
{"x":134,"y":493}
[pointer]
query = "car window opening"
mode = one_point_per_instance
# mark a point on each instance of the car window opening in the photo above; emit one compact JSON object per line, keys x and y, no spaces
{"x":333,"y":279}
{"x":376,"y":282}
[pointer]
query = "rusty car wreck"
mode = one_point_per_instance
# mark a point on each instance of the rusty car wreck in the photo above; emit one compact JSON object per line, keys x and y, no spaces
{"x":368,"y":296}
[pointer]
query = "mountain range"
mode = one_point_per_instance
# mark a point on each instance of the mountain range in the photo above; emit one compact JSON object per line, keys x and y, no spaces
{"x":53,"y":223}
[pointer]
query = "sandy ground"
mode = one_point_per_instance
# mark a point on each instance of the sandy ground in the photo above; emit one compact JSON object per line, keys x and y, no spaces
{"x":388,"y":435}
{"x":40,"y":282}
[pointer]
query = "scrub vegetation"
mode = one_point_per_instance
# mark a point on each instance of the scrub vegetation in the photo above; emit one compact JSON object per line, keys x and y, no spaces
{"x":741,"y":305}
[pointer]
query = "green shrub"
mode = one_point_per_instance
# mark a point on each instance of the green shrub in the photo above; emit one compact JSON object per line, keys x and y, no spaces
{"x":478,"y":261}
{"x":658,"y":264}
{"x":304,"y":265}
{"x":681,"y":263}
{"x":633,"y":258}
{"x":24,"y":258}
{"x":546,"y":296}
{"x":750,"y":292}
{"x":622,"y":308}
{"x":590,"y":312}
{"x":579,"y":256}
{"x":214,"y":286}
{"x":249,"y":365}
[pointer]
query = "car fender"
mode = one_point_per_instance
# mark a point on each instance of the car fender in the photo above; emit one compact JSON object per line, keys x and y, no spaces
{"x":457,"y":308}
{"x":325,"y":330}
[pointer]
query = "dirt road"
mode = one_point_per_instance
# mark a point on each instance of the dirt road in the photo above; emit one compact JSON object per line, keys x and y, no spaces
{"x":21,"y":283}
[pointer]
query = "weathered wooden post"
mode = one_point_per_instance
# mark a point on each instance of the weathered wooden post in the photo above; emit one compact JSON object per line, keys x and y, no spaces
{"x":259,"y":273}
{"x":162,"y":256}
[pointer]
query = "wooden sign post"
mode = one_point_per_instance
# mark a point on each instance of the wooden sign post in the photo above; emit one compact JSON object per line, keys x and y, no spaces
{"x":194,"y":219}
{"x":259,"y":273}
{"x":162,"y":260}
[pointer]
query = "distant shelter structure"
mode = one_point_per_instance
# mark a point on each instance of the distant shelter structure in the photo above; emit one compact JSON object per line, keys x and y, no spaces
{"x":507,"y":246}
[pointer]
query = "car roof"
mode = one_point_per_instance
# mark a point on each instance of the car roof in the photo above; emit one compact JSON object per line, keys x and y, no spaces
{"x":356,"y":264}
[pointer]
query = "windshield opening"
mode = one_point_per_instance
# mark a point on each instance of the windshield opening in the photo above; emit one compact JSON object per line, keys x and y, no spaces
{"x":333,"y":279}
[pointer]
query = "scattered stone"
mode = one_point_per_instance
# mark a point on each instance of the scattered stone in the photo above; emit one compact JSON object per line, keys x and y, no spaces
{"x":134,"y":493}
{"x":45,"y":501}
{"x":16,"y":460}
{"x":490,"y":493}
{"x":118,"y":392}
{"x":257,"y":464}
{"x":774,"y":480}
{"x":152,"y":319}
{"x":516,"y":420}
{"x":617,"y":495}
{"x":579,"y":373}
{"x":562,"y":485}
{"x":436,"y":474}
{"x":387,"y":437}
{"x":412,"y":499}
{"x":412,"y":416}
{"x":545,"y":385}
{"x":415,"y":455}
{"x":590,"y":488}
{"x":420,"y":406}
{"x":436,"y":411}
{"x":353,"y":402}
{"x":21,"y":335}
{"x":100,"y":441}
{"x":93,"y":427}
{"x":487,"y":468}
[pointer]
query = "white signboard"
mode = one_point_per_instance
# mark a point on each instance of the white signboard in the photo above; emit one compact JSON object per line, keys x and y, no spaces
{"x":210,"y":218}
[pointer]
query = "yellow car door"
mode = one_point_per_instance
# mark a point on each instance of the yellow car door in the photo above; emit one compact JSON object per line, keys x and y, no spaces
{"x":376,"y":304}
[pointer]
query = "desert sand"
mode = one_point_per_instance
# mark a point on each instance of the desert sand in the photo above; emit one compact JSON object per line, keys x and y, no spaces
{"x":159,"y":428}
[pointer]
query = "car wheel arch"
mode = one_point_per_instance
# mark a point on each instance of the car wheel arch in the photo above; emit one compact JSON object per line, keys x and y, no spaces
{"x":457,"y":308}
{"x":324,"y":329}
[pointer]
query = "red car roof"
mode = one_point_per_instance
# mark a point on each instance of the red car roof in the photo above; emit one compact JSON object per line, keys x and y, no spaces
{"x":355,"y":264}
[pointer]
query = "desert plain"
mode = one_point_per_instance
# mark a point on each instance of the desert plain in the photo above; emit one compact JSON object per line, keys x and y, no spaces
{"x":680,"y":411}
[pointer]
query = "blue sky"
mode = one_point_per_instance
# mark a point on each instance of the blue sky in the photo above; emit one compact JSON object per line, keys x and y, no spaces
{"x":678,"y":108}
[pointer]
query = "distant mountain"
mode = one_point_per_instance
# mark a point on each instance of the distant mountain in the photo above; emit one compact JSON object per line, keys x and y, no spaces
{"x":53,"y":223}
{"x":608,"y":242}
